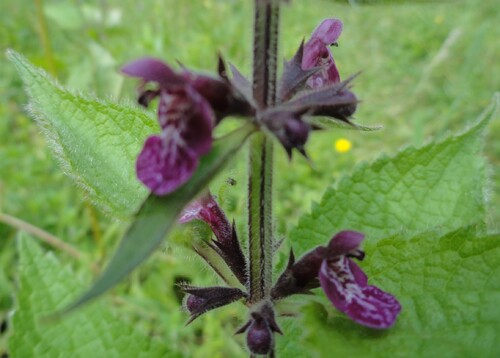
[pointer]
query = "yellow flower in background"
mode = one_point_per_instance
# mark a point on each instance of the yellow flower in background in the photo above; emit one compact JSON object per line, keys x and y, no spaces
{"x":343,"y":145}
{"x":439,"y":19}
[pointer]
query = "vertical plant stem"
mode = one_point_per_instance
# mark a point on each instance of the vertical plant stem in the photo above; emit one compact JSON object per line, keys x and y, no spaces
{"x":260,"y":224}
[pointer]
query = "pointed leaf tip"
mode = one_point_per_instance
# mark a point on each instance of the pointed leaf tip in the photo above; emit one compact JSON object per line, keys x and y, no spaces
{"x":88,"y":134}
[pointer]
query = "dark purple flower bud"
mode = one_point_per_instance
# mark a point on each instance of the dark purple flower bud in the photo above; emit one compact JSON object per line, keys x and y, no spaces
{"x":227,"y":244}
{"x":203,"y":299}
{"x":260,"y":329}
{"x":332,"y":101}
{"x":288,"y":127}
{"x":318,"y":54}
{"x":195,"y":303}
{"x":343,"y":107}
{"x":346,"y":285}
{"x":301,"y":276}
{"x":295,"y":134}
{"x":259,"y":336}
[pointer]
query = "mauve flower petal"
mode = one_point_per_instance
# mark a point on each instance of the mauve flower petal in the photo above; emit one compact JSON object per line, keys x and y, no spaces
{"x":198,"y":133}
{"x":164,"y":166}
{"x":154,"y":70}
{"x":204,"y":208}
{"x":332,"y":73}
{"x":367,"y":305}
{"x":344,"y":242}
{"x":318,"y":54}
{"x":314,"y":52}
{"x":208,"y":210}
{"x":328,"y":31}
{"x":191,"y":115}
{"x":191,"y":212}
{"x":215,"y":91}
{"x":358,"y":274}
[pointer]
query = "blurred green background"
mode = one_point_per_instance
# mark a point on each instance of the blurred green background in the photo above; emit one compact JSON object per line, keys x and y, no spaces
{"x":428,"y":68}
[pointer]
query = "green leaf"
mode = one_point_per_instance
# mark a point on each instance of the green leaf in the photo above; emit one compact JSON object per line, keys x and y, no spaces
{"x":45,"y":285}
{"x":448,"y":287}
{"x":439,"y":185}
{"x":96,"y":141}
{"x":158,"y":215}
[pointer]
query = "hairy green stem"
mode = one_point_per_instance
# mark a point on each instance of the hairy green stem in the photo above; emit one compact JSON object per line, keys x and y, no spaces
{"x":260,"y":224}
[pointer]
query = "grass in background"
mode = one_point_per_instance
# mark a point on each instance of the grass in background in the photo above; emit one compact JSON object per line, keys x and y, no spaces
{"x":428,"y":68}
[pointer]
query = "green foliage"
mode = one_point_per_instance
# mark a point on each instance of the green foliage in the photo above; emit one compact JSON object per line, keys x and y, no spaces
{"x":423,"y":81}
{"x":158,"y":215}
{"x":45,"y":285}
{"x":439,"y":185}
{"x":96,"y":141}
{"x":447,"y":285}
{"x":444,"y":277}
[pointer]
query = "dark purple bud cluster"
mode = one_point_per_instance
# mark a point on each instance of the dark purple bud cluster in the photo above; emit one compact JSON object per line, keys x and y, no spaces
{"x":260,"y":330}
{"x":288,"y":127}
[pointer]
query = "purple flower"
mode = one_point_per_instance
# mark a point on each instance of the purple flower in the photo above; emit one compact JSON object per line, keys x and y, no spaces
{"x":343,"y":281}
{"x":206,"y":209}
{"x":318,"y":54}
{"x":310,"y":86}
{"x":346,"y":285}
{"x":186,"y":120}
{"x":190,"y":105}
{"x":226,"y":245}
{"x":168,"y":160}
